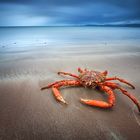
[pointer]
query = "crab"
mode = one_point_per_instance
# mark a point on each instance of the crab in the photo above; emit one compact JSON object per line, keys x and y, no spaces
{"x":96,"y":80}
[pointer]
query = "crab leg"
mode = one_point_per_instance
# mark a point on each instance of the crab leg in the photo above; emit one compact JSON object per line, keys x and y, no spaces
{"x":70,"y":74}
{"x":50,"y":85}
{"x":56,"y":87}
{"x":57,"y":95}
{"x":115,"y":86}
{"x":102,"y":104}
{"x":121,"y":80}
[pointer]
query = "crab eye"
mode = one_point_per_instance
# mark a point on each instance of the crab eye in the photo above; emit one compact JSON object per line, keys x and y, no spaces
{"x":83,"y":81}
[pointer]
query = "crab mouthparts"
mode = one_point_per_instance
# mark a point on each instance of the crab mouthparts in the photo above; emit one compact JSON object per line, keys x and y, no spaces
{"x":90,"y":84}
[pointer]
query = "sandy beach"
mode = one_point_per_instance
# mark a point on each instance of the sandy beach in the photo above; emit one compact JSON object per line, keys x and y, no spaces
{"x":28,"y":113}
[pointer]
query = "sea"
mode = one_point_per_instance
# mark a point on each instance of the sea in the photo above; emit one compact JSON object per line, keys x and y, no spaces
{"x":16,"y":41}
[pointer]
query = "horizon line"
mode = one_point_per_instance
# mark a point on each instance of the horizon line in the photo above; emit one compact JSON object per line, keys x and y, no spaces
{"x":85,"y":25}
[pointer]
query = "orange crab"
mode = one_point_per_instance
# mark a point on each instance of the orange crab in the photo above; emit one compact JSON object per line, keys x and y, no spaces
{"x":92,"y":79}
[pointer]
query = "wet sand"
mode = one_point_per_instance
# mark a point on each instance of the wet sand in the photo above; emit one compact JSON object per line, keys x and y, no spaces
{"x":28,"y":113}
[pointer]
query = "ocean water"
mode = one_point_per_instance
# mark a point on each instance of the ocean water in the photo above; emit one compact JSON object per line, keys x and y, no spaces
{"x":19,"y":40}
{"x":60,"y":35}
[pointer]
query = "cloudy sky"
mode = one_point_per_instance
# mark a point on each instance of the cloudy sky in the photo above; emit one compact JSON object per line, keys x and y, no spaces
{"x":68,"y":12}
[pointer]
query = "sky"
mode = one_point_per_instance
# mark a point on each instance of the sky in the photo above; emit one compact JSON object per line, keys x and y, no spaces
{"x":68,"y":12}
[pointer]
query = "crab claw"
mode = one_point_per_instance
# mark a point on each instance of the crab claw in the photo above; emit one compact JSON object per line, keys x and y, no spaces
{"x":96,"y":103}
{"x":61,"y":99}
{"x":89,"y":102}
{"x":58,"y":95}
{"x":85,"y":101}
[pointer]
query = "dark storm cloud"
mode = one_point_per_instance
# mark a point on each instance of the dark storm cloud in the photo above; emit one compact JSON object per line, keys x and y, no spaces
{"x":128,"y":3}
{"x":63,"y":12}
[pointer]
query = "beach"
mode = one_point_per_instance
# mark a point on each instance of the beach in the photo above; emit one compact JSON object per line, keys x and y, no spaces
{"x":30,"y":59}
